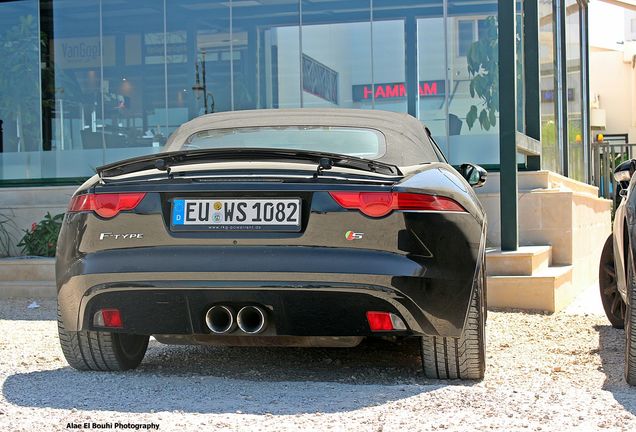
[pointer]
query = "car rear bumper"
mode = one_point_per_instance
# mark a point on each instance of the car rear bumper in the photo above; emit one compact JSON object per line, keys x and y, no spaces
{"x":306,"y":291}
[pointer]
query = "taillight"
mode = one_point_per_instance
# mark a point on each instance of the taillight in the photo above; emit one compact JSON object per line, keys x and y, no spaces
{"x":106,"y":205}
{"x":384,"y":321}
{"x":108,"y":318}
{"x":378,"y":204}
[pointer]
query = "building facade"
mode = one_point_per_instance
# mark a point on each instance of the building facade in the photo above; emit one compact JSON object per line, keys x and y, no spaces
{"x":87,"y":82}
{"x":612,"y":51}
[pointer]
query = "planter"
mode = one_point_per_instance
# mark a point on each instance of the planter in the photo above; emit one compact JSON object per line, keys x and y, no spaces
{"x":27,"y":277}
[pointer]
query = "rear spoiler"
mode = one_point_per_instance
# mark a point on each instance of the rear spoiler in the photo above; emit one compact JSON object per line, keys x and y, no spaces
{"x":164,"y":161}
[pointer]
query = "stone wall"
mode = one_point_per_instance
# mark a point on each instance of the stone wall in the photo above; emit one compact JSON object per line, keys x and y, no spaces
{"x":559,"y":212}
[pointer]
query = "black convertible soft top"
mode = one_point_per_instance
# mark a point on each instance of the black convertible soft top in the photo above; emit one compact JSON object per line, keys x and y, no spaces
{"x":407,"y":141}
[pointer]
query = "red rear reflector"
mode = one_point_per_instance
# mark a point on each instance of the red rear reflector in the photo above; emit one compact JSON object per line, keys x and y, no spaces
{"x":379,"y":321}
{"x":108,"y":318}
{"x":106,"y":205}
{"x":378,"y":204}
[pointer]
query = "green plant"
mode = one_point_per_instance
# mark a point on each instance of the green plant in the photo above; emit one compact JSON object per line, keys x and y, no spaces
{"x":41,"y":239}
{"x":7,"y":226}
{"x":483,"y":68}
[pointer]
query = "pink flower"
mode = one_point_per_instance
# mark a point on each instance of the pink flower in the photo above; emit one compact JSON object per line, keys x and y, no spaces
{"x":34,"y":226}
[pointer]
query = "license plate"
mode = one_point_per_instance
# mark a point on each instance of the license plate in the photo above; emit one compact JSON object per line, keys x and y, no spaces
{"x":237,"y":214}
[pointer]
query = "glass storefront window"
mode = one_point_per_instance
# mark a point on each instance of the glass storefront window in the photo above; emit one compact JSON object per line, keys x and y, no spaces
{"x":336,"y":57}
{"x":574,"y":90}
{"x":133,"y":80}
{"x":266,"y":64}
{"x":20,"y":88}
{"x":432,"y":76}
{"x":112,"y":79}
{"x":472,"y":94}
{"x":550,"y":158}
{"x":521,"y":91}
{"x":389,"y":64}
{"x":198,"y":46}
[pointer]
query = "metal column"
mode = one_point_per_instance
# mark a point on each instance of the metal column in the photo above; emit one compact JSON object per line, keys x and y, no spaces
{"x":585,"y":85}
{"x":412,"y":85}
{"x":508,"y":126}
{"x":562,"y":87}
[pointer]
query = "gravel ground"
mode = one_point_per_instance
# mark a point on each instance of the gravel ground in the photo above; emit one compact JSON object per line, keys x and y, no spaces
{"x":545,"y":372}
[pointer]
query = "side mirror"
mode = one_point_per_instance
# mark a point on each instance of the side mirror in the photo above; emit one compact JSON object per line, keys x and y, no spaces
{"x":623,"y":173}
{"x":474,"y":174}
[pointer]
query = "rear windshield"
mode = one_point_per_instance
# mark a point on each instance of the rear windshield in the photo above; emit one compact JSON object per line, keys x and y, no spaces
{"x":366,"y":143}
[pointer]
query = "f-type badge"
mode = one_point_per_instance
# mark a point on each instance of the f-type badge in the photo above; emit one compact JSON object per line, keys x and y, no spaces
{"x":127,"y":236}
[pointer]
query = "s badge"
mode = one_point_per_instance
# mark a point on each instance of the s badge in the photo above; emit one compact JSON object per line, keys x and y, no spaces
{"x":350,"y":235}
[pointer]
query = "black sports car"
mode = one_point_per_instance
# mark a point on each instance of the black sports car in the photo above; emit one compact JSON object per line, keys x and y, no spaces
{"x":617,"y":274}
{"x":282,"y":228}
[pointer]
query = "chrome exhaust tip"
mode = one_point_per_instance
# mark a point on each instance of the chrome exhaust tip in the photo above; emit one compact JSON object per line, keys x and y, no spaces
{"x":251,"y":319}
{"x":220,"y":319}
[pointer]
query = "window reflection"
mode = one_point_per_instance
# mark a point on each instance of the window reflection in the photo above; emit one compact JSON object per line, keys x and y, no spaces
{"x":389,"y":63}
{"x":473,"y":104}
{"x":133,"y":83}
{"x":433,"y":108}
{"x":198,"y":45}
{"x":336,"y":56}
{"x":20,"y":77}
{"x":549,"y":148}
{"x":575,"y":95}
{"x":266,"y":57}
{"x":120,"y":76}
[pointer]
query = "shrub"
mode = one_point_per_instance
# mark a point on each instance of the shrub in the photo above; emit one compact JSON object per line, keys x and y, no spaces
{"x":41,"y":239}
{"x":7,"y":240}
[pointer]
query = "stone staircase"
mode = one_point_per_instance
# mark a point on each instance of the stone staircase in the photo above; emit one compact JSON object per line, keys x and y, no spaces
{"x":27,"y":278}
{"x":563,"y":225}
{"x":526,"y":279}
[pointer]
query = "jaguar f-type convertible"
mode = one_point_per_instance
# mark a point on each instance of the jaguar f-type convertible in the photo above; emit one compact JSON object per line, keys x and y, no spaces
{"x":280,"y":228}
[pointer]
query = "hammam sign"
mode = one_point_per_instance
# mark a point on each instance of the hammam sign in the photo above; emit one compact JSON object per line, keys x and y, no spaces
{"x":396,"y":90}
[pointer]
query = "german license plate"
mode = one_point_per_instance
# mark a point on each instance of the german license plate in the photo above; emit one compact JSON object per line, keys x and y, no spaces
{"x":237,"y":214}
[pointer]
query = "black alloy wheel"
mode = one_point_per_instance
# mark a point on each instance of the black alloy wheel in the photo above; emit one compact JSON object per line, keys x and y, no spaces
{"x":613,"y":303}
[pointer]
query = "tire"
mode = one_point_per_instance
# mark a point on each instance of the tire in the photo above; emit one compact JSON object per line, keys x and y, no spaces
{"x":613,"y":303}
{"x":463,"y":357}
{"x":630,"y":322}
{"x":101,"y":351}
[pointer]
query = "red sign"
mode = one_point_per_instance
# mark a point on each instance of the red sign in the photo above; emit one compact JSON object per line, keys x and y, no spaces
{"x":381,"y":91}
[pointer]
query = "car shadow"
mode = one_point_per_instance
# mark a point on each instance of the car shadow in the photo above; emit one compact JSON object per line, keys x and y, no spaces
{"x":612,"y":352}
{"x":281,"y":381}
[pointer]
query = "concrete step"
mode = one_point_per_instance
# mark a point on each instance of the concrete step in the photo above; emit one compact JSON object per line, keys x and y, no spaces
{"x":27,"y":269}
{"x":525,"y":261}
{"x":536,"y":180}
{"x":549,"y":289}
{"x":27,"y":289}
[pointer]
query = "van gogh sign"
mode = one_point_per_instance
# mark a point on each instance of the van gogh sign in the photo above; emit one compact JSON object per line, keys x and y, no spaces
{"x":84,"y":52}
{"x":396,"y":90}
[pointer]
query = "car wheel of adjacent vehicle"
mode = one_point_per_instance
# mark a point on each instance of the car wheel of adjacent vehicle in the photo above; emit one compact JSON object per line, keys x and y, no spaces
{"x":613,"y":303}
{"x":101,"y":351}
{"x":630,"y":322}
{"x":463,"y":357}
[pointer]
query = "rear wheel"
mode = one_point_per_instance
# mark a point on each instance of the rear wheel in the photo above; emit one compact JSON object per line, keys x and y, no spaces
{"x":630,"y":322}
{"x":613,"y":303}
{"x":463,"y":357}
{"x":101,"y":351}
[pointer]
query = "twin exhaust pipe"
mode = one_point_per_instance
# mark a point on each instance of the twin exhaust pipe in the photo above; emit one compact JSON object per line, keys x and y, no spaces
{"x":249,"y":319}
